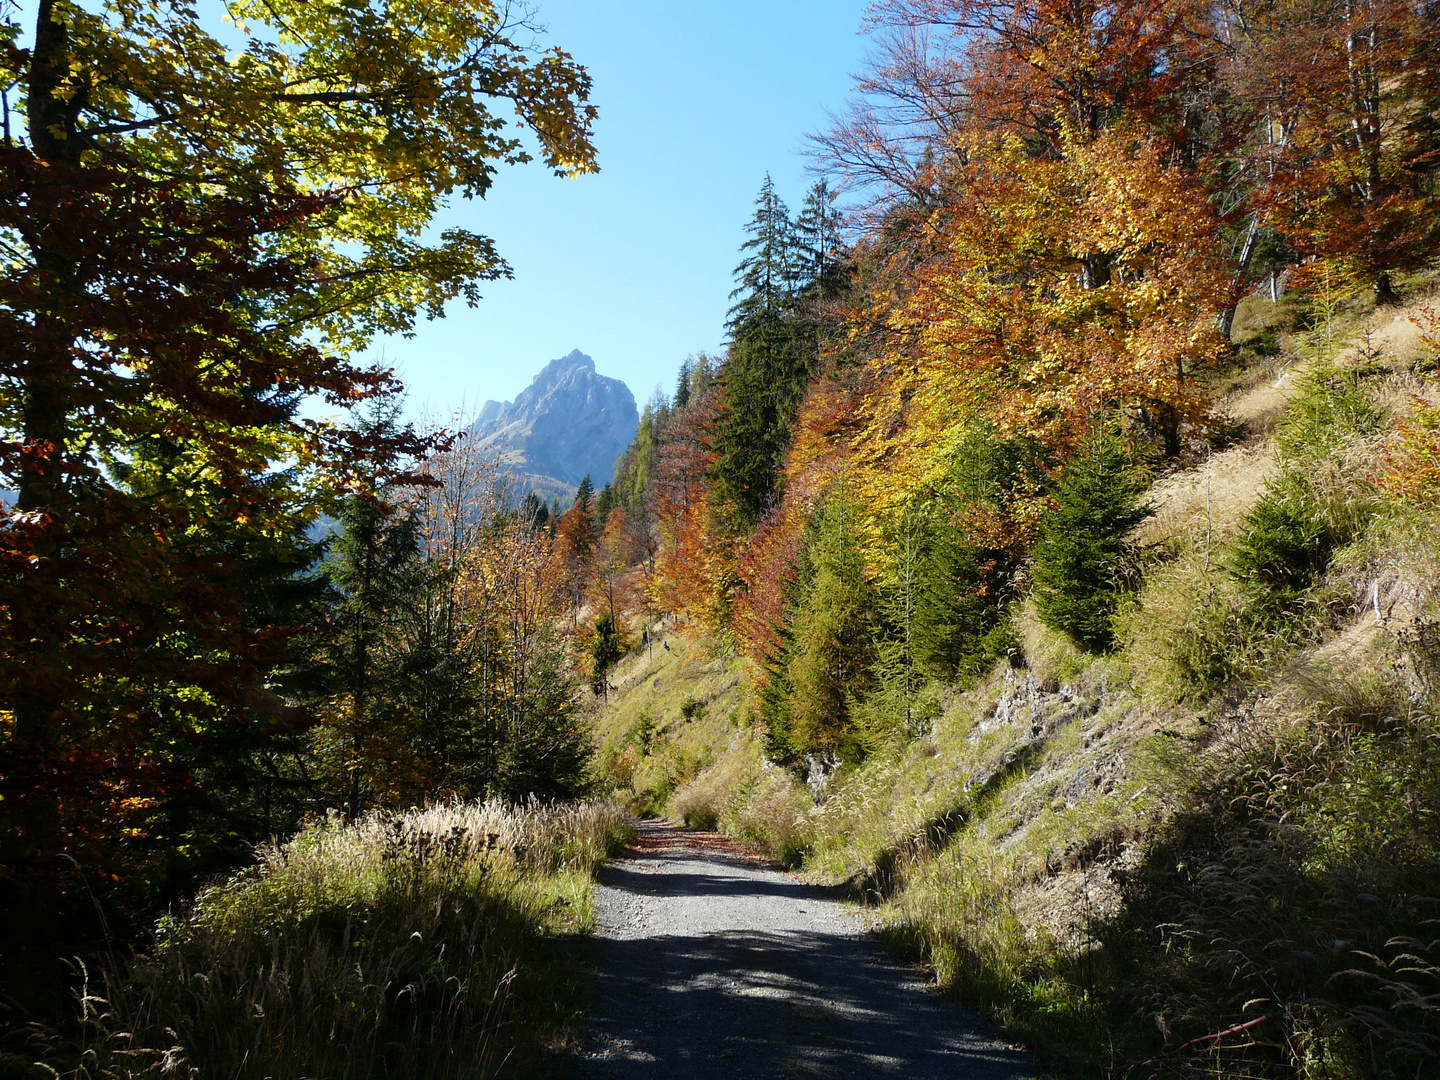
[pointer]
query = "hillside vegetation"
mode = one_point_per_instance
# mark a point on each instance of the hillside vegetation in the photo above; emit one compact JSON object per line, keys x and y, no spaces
{"x":1049,"y":553}
{"x":1213,"y":848}
{"x":1054,"y":542}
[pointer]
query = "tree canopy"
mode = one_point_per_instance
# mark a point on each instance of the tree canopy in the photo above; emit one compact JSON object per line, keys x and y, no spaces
{"x":200,"y":224}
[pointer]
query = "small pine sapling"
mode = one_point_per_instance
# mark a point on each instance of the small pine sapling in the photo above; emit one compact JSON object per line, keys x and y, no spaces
{"x":1083,"y":542}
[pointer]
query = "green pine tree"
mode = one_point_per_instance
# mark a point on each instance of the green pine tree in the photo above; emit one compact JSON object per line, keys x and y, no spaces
{"x":606,"y":650}
{"x":585,"y":493}
{"x":765,"y":373}
{"x":374,"y":567}
{"x":1084,"y":540}
{"x":768,"y":272}
{"x":682,"y":384}
{"x":825,"y":664}
{"x":604,"y":503}
{"x":818,"y":232}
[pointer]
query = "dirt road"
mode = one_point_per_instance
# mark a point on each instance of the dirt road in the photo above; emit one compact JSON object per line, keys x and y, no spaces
{"x":713,"y":965}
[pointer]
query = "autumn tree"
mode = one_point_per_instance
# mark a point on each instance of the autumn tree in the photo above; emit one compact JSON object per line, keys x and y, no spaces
{"x":1344,"y":104}
{"x":189,"y":228}
{"x":523,"y":734}
{"x":1006,"y":328}
{"x":575,"y":537}
{"x":694,"y":568}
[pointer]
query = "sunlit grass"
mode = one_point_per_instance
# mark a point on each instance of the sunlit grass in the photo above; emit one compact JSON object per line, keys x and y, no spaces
{"x":421,"y":944}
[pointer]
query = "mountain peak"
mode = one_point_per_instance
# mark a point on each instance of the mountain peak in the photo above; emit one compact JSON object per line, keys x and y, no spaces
{"x":573,"y":360}
{"x":569,"y":422}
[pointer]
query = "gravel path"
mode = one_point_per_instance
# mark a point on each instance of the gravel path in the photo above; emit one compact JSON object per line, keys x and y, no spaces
{"x":712,"y":964}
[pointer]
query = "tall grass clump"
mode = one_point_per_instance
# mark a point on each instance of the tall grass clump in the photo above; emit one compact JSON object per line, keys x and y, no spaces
{"x":418,"y":945}
{"x":961,"y":913}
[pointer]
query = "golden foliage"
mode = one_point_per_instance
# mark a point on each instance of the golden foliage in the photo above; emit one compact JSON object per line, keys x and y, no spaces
{"x":1068,"y":288}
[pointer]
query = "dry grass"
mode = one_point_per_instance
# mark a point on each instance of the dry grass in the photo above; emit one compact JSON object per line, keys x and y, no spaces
{"x":1201,"y":508}
{"x":746,"y":796}
{"x":403,"y":945}
{"x":1051,"y":656}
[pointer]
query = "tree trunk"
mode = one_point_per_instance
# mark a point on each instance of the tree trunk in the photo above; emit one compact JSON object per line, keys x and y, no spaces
{"x":30,"y":946}
{"x":1385,"y":294}
{"x":1226,"y":320}
{"x":1096,"y":270}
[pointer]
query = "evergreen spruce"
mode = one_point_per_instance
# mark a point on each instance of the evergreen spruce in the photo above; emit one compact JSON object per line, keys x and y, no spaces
{"x":584,"y":494}
{"x":766,"y":276}
{"x":1083,"y":542}
{"x":374,"y":570}
{"x":773,"y":351}
{"x":605,"y":652}
{"x":817,"y":232}
{"x":682,"y":384}
{"x":547,"y":750}
{"x":604,"y":503}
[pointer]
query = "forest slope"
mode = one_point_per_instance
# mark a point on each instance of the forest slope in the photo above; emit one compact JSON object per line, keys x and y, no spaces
{"x":1212,"y":848}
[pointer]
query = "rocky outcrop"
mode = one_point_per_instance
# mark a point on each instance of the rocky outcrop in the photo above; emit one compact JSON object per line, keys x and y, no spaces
{"x":570,"y":422}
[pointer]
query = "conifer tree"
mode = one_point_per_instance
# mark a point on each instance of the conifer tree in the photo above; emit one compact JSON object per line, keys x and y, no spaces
{"x":374,"y":568}
{"x":772,"y":354}
{"x":584,"y":493}
{"x":604,"y":503}
{"x":682,"y":385}
{"x":1083,"y":541}
{"x":605,"y":651}
{"x":825,"y":661}
{"x":817,"y":232}
{"x":766,"y":276}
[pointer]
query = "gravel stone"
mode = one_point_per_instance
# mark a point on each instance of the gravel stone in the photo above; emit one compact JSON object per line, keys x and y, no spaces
{"x":714,"y":964}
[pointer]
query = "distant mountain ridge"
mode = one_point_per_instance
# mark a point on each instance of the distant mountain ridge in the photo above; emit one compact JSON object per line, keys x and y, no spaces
{"x":569,"y":422}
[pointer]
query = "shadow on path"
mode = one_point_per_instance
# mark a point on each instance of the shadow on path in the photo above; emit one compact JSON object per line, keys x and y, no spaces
{"x":717,"y":966}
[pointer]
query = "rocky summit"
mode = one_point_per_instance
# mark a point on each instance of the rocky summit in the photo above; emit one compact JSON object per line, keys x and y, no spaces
{"x":570,"y":422}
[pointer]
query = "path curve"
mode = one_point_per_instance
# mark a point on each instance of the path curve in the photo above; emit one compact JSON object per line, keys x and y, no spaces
{"x":713,"y":964}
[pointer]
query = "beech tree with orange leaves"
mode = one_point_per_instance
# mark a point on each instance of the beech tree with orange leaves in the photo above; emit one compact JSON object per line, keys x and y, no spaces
{"x":1347,"y":144}
{"x":1010,"y":326}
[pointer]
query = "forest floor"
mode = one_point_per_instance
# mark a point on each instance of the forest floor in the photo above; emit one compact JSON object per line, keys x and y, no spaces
{"x":715,"y":964}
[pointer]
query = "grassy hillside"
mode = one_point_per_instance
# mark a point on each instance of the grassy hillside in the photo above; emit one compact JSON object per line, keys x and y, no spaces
{"x":1213,"y":850}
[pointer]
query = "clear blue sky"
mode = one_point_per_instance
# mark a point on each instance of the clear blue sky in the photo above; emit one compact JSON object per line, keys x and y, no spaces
{"x":698,"y":100}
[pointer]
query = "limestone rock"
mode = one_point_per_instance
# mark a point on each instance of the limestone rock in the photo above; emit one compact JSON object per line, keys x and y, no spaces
{"x":569,"y":422}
